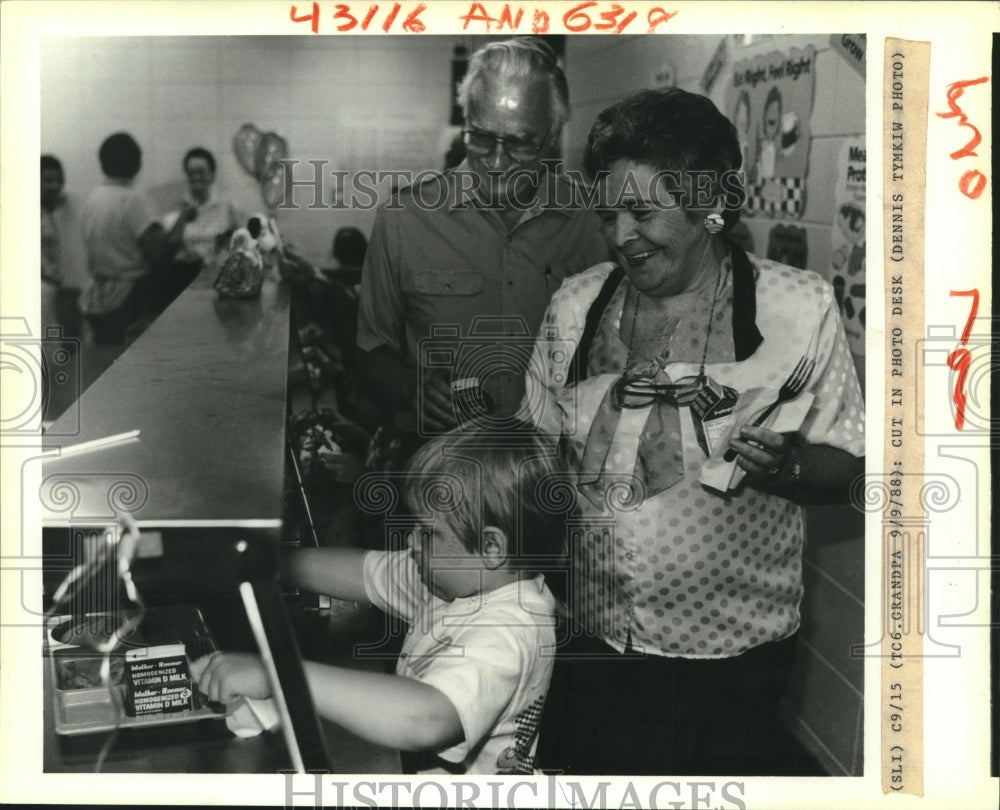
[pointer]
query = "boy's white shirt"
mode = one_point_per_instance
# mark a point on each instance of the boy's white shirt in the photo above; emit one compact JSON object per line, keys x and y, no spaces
{"x":491,"y":654}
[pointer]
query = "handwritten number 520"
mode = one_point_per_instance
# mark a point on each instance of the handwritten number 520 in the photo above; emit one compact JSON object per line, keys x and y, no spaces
{"x":972,"y":183}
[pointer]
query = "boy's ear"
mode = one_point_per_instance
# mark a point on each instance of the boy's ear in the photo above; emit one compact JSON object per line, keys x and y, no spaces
{"x":494,"y":548}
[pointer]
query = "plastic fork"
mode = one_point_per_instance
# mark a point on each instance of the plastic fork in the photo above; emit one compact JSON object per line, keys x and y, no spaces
{"x":790,"y":389}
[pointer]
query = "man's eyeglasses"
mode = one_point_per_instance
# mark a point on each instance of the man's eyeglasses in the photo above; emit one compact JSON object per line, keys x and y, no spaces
{"x":480,"y":142}
{"x":641,"y":393}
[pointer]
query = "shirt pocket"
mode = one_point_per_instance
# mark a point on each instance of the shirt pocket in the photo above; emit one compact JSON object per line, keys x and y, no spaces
{"x":437,"y":281}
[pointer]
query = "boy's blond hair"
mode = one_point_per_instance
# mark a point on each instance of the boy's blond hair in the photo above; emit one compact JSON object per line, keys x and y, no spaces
{"x":512,"y":479}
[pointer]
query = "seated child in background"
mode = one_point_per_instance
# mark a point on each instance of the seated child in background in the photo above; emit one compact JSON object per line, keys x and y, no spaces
{"x":477,"y":658}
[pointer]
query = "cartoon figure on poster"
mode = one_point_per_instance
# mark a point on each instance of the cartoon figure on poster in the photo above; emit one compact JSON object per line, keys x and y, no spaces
{"x":780,"y":135}
{"x":770,"y":99}
{"x":847,"y":263}
{"x":741,"y":120}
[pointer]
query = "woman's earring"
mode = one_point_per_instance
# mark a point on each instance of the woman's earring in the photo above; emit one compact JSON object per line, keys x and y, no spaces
{"x":714,"y":223}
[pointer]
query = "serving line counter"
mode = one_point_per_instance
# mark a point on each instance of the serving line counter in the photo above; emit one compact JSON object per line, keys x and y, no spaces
{"x":204,"y":482}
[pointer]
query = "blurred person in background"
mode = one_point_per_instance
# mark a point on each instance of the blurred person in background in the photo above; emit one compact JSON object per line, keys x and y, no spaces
{"x":127,"y":247}
{"x":207,"y":221}
{"x":63,"y":257}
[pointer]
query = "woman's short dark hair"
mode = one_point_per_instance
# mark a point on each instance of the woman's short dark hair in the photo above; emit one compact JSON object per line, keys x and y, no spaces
{"x":120,"y":156}
{"x":199,"y":152}
{"x":672,"y":130}
{"x":52,"y":163}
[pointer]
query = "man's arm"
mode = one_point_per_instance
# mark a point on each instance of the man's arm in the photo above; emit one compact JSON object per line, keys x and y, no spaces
{"x":395,"y":386}
{"x":391,"y":381}
{"x":389,"y":377}
{"x":336,"y":572}
{"x":382,"y":365}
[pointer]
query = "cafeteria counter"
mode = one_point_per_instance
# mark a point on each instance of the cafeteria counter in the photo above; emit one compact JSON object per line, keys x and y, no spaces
{"x":203,"y":484}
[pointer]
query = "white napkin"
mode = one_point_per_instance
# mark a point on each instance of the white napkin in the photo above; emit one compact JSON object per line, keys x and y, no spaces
{"x":722,"y":475}
{"x":248,"y":717}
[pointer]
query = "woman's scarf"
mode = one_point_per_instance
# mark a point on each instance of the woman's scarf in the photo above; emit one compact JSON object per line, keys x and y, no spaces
{"x":679,"y":336}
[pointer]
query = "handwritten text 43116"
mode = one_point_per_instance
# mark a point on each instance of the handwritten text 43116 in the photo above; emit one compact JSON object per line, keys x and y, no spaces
{"x":480,"y":18}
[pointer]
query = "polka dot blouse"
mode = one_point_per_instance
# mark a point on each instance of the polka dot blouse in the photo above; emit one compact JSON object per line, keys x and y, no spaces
{"x":689,"y":571}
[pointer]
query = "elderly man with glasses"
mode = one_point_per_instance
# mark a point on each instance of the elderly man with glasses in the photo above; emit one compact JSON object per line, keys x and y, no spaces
{"x":461,"y":267}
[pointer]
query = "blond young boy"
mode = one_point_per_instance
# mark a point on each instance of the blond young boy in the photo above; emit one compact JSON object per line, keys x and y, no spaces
{"x":476,"y":662}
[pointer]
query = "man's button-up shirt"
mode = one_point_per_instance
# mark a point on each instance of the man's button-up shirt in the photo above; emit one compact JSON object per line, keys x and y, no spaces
{"x":455,"y":288}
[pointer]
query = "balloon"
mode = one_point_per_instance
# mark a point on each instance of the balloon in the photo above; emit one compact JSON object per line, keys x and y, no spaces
{"x":245,"y":146}
{"x":272,"y":186}
{"x":270,"y":150}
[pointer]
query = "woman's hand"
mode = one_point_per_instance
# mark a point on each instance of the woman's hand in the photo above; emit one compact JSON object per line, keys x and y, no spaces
{"x":779,"y":464}
{"x":224,"y":677}
{"x":761,"y":452}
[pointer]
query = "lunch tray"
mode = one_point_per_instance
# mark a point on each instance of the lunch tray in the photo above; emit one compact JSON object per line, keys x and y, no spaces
{"x":81,"y":703}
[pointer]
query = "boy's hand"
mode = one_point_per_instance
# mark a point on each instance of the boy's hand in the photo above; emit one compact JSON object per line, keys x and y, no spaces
{"x":224,"y":677}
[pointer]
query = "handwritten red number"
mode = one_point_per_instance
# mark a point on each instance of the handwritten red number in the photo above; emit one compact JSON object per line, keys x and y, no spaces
{"x":610,"y":19}
{"x":577,"y":13}
{"x":960,"y":359}
{"x":313,"y":17}
{"x":972,"y":182}
{"x":973,"y":311}
{"x":343,"y":12}
{"x":412,"y":23}
{"x":625,"y":22}
{"x":372,"y":11}
{"x":391,"y":18}
{"x":955,"y":90}
{"x":657,"y":16}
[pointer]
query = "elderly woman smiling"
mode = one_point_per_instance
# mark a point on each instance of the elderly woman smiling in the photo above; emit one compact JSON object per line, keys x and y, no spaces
{"x":684,"y":599}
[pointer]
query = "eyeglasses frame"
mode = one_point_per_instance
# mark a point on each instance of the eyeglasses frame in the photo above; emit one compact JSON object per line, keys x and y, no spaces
{"x":504,"y":141}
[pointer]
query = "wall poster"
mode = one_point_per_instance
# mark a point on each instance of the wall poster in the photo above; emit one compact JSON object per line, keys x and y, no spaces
{"x":847,"y":265}
{"x":770,"y":100}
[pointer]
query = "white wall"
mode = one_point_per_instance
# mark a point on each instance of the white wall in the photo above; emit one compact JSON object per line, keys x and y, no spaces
{"x":357,"y":102}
